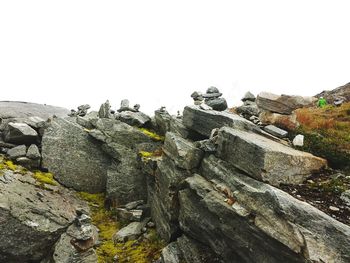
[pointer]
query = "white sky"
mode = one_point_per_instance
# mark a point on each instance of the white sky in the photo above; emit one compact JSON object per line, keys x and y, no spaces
{"x":156,"y":53}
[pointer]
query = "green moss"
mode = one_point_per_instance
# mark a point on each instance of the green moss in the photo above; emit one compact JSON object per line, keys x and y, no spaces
{"x":44,"y":178}
{"x":132,"y":251}
{"x":152,"y":135}
{"x":10,"y":165}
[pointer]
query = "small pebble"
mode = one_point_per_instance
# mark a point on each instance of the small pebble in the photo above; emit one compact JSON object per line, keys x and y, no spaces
{"x":299,"y":196}
{"x":333,"y":208}
{"x":150,"y":224}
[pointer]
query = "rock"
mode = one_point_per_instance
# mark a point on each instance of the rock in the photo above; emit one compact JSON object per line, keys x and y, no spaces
{"x":298,"y":140}
{"x":126,"y":181}
{"x":36,"y":122}
{"x":33,"y":152}
{"x":28,"y":163}
{"x":248,"y":97}
{"x":130,"y":232}
{"x":204,"y":122}
{"x":345,"y":196}
{"x":334,"y":208}
{"x":206,"y":145}
{"x":18,"y":151}
{"x":138,"y":119}
{"x":67,"y":142}
{"x":205,"y":107}
{"x":163,"y":190}
{"x":171,"y":254}
{"x":283,"y":224}
{"x":264,"y":159}
{"x":183,"y":152}
{"x":248,"y":110}
{"x":283,"y":104}
{"x":218,"y":104}
{"x":104,"y":111}
{"x":134,"y":204}
{"x":30,"y":222}
{"x":15,"y":109}
{"x":162,"y":119}
{"x":288,"y":122}
{"x":129,"y":215}
{"x":89,"y":120}
{"x":342,"y":92}
{"x":276,"y":131}
{"x":20,"y":133}
{"x":212,"y":92}
{"x":124,"y":105}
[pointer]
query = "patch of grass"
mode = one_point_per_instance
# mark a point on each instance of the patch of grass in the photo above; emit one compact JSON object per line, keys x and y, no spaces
{"x":327,"y":133}
{"x":44,"y":178}
{"x":152,"y":135}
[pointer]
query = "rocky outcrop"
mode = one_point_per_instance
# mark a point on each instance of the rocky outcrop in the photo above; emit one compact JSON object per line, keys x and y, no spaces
{"x":298,"y":231}
{"x":288,"y":122}
{"x":32,"y":218}
{"x":283,"y":104}
{"x":17,"y":109}
{"x":74,"y":156}
{"x":342,"y":92}
{"x":265,"y":159}
{"x":204,"y":121}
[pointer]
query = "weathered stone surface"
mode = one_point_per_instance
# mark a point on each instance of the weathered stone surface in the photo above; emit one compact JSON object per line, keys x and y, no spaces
{"x":288,"y":122}
{"x":272,"y":213}
{"x":74,"y":157}
{"x":163,"y":190}
{"x":265,"y":159}
{"x":342,"y":92}
{"x":32,"y":219}
{"x":298,"y":140}
{"x":248,"y":110}
{"x":16,"y":109}
{"x":272,"y":129}
{"x":204,"y":122}
{"x":28,"y":163}
{"x":18,"y":151}
{"x":182,"y":151}
{"x":20,"y":133}
{"x":218,"y":104}
{"x":345,"y":196}
{"x":130,"y":232}
{"x":33,"y":152}
{"x":36,"y":122}
{"x":125,"y":180}
{"x":104,"y":111}
{"x":89,"y":120}
{"x":248,"y":96}
{"x":283,"y":104}
{"x":162,"y":119}
{"x":138,"y":119}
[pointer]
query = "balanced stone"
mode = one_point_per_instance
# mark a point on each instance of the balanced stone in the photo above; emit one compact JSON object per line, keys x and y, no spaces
{"x":33,"y":152}
{"x":104,"y":111}
{"x":248,"y":97}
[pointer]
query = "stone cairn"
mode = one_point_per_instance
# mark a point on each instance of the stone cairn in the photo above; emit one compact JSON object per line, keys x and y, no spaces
{"x":212,"y":98}
{"x":82,"y":111}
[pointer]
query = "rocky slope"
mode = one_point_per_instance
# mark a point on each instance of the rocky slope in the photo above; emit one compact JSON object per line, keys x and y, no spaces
{"x":209,"y":181}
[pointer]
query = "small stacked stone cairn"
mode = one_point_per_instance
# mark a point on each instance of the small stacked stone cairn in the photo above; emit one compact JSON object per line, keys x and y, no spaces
{"x":105,"y":110}
{"x":132,"y":116}
{"x":82,"y":111}
{"x":212,"y":98}
{"x":249,"y":109}
{"x":125,"y":106}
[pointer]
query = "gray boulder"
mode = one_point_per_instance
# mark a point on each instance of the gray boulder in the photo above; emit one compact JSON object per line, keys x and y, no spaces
{"x":130,"y":232}
{"x":16,"y":109}
{"x":283,"y":104}
{"x":89,"y":120}
{"x":275,"y":227}
{"x":32,"y":218}
{"x":18,"y":151}
{"x":248,"y":97}
{"x":218,"y":104}
{"x":74,"y":157}
{"x":162,"y":119}
{"x":248,"y":110}
{"x":276,"y":131}
{"x":204,"y":122}
{"x":182,"y":151}
{"x":33,"y":152}
{"x":19,"y":133}
{"x":266,"y":160}
{"x":104,"y":111}
{"x":137,"y":119}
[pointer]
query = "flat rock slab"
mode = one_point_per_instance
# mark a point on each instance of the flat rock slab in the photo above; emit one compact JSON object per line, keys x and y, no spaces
{"x":266,"y":160}
{"x":204,"y":121}
{"x":74,"y":157}
{"x":20,"y":133}
{"x":276,"y":131}
{"x":182,"y":151}
{"x":130,"y":232}
{"x":283,"y":104}
{"x":17,"y":109}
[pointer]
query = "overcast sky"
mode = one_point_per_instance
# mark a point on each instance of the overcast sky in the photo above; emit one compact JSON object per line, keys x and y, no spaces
{"x":156,"y":53}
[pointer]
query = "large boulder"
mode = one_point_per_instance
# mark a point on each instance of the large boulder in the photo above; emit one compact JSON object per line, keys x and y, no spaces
{"x":288,"y":122}
{"x":204,"y":121}
{"x":74,"y":157}
{"x":138,"y":118}
{"x":264,"y":159}
{"x":19,"y":133}
{"x":283,"y":104}
{"x":32,"y":218}
{"x":16,"y":109}
{"x":182,"y":151}
{"x":269,"y":220}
